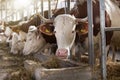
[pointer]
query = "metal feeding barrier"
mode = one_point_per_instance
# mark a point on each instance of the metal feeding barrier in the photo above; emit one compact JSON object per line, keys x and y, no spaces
{"x":103,"y":29}
{"x":67,"y":7}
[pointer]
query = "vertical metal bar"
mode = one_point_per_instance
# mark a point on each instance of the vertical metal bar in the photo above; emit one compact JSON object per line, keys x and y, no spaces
{"x":12,"y":16}
{"x":65,"y":7}
{"x":68,"y":6}
{"x":35,"y":6}
{"x":42,"y":10}
{"x":90,"y":32}
{"x":49,"y":9}
{"x":1,"y":9}
{"x":16,"y":15}
{"x":6,"y":9}
{"x":103,"y":40}
{"x":90,"y":36}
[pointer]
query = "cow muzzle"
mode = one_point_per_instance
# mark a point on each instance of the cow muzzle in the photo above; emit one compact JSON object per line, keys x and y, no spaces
{"x":62,"y":53}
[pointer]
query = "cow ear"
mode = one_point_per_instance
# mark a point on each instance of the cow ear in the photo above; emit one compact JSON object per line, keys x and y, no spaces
{"x":45,"y":30}
{"x":82,"y":28}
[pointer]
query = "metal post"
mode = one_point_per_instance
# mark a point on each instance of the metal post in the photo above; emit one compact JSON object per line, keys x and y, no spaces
{"x":103,"y":40}
{"x":65,"y":7}
{"x":49,"y":9}
{"x":16,"y":15}
{"x":68,"y":6}
{"x":42,"y":11}
{"x":35,"y":6}
{"x":90,"y":36}
{"x":1,"y":9}
{"x":6,"y":9}
{"x":12,"y":7}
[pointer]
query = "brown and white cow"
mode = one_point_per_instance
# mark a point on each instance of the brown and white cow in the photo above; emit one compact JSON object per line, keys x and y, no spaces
{"x":64,"y":30}
{"x":39,"y":39}
{"x":64,"y":35}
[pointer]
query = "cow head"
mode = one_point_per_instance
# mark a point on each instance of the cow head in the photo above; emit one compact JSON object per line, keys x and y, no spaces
{"x":65,"y":32}
{"x":65,"y":28}
{"x":34,"y":41}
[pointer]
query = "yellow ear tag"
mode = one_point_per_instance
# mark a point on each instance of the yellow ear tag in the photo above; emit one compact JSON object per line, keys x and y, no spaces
{"x":46,"y":30}
{"x":83,"y":30}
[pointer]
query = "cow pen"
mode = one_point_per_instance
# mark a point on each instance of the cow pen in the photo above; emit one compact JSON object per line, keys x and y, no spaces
{"x":42,"y":66}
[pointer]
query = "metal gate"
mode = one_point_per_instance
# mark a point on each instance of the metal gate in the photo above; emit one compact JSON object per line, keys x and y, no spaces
{"x":103,"y":29}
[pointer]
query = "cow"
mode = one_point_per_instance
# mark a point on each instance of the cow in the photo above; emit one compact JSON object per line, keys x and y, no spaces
{"x":64,"y":30}
{"x":65,"y":25}
{"x":115,"y":44}
{"x":34,"y":41}
{"x":4,"y":33}
{"x":39,"y":39}
{"x":14,"y":39}
{"x":112,"y":13}
{"x":46,"y":38}
{"x":17,"y":42}
{"x":2,"y":27}
{"x":3,"y":38}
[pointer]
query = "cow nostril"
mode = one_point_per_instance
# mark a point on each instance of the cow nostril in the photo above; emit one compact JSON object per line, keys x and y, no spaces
{"x":73,"y":31}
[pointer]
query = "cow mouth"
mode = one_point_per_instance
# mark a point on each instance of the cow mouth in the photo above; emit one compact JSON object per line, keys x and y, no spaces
{"x":62,"y":53}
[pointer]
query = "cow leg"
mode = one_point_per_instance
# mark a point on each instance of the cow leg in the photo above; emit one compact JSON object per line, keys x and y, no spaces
{"x":113,"y":55}
{"x":77,"y":52}
{"x":108,"y":53}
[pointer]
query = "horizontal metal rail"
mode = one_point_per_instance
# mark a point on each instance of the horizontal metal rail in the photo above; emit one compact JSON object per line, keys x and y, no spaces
{"x":112,"y":28}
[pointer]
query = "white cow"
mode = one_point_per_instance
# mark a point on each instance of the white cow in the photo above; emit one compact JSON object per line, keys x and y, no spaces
{"x":34,"y":41}
{"x":18,"y":41}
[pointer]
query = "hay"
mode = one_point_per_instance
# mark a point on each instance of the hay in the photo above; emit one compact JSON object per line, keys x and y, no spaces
{"x":113,"y":71}
{"x":20,"y":74}
{"x":116,"y":39}
{"x":51,"y":63}
{"x":55,"y":62}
